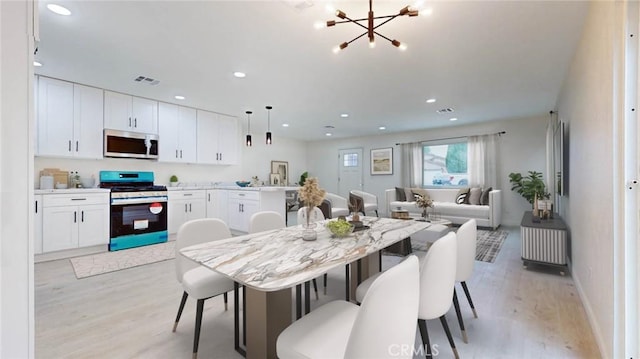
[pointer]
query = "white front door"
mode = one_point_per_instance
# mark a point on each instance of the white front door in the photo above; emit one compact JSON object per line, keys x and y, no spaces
{"x":349,"y":171}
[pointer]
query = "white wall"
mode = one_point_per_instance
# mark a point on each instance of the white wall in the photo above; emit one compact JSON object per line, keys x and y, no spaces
{"x":254,"y":161}
{"x":586,"y":104}
{"x":16,"y":196}
{"x":521,"y":149}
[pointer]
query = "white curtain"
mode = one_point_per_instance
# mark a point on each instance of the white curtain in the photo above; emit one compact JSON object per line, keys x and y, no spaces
{"x":411,"y":175}
{"x":482,"y":161}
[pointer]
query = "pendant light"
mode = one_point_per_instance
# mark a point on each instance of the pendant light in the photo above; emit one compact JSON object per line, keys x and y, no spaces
{"x":249,"y":128}
{"x":268,"y":124}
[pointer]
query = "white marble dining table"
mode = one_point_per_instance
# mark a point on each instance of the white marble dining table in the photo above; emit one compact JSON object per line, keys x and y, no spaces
{"x":270,"y":263}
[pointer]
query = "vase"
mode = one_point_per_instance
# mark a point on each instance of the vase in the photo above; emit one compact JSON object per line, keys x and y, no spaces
{"x":308,"y":231}
{"x":424,"y":214}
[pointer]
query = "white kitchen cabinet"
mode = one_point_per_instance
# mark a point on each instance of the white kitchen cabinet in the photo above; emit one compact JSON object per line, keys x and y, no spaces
{"x":130,"y":113}
{"x":69,"y":119}
{"x":74,"y":220}
{"x":177,"y":130}
{"x":185,"y":206}
{"x":242,"y":204}
{"x":37,"y":230}
{"x":217,"y":139}
{"x":217,"y":204}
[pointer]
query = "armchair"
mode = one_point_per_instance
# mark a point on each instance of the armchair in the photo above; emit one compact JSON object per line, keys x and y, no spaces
{"x":363,"y":202}
{"x":339,"y":206}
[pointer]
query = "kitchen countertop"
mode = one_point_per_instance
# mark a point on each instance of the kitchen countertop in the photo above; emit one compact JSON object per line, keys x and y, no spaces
{"x":232,"y":188}
{"x":72,"y":191}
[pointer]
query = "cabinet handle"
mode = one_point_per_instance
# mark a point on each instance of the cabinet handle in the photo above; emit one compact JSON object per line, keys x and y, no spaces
{"x":208,"y":198}
{"x":69,"y":145}
{"x":135,"y":122}
{"x":82,"y":216}
{"x":75,"y":217}
{"x":129,"y":121}
{"x":76,"y":146}
{"x":188,"y":194}
{"x":176,"y":153}
{"x":220,"y":156}
{"x":78,"y":199}
{"x":217,"y":156}
{"x":185,"y":207}
{"x":36,"y":206}
{"x":189,"y":207}
{"x":239,"y":210}
{"x":180,"y":153}
{"x":242,"y":206}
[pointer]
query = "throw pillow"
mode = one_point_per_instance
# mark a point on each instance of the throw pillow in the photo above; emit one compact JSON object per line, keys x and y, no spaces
{"x":419,"y":192}
{"x":484,"y":198}
{"x":408,"y":194}
{"x":400,"y":194}
{"x":474,"y":195}
{"x":462,"y":196}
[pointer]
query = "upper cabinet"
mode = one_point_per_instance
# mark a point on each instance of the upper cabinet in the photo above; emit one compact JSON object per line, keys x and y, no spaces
{"x":130,"y":113}
{"x":177,"y":130}
{"x":217,"y":139}
{"x":69,"y":119}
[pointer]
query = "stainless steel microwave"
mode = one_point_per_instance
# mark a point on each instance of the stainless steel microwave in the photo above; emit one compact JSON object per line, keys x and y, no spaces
{"x":130,"y":144}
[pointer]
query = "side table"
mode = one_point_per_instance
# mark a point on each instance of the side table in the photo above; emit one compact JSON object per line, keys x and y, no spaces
{"x":544,"y":242}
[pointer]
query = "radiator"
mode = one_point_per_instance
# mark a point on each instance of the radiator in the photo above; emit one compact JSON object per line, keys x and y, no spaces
{"x":544,"y":245}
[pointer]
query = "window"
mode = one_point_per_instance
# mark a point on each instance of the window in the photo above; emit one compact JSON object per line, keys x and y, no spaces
{"x":350,"y":160}
{"x":445,"y":165}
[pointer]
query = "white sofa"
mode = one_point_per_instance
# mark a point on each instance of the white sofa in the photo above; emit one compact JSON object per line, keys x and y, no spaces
{"x":444,"y":203}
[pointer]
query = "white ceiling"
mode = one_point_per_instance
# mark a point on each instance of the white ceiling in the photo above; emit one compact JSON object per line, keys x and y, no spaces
{"x":486,"y":60}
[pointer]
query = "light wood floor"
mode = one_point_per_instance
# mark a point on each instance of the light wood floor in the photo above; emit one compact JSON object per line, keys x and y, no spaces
{"x":531,"y":313}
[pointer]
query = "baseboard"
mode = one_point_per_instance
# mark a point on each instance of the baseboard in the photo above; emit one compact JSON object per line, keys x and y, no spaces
{"x":595,"y":329}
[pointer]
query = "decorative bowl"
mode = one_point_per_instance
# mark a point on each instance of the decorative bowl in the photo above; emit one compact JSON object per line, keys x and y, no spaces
{"x":339,"y":228}
{"x":88,"y":182}
{"x":242,"y":183}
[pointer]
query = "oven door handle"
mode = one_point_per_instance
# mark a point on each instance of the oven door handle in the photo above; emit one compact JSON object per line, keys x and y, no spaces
{"x":124,"y":202}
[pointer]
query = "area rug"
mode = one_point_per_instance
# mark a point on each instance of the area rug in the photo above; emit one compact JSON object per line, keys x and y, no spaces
{"x":487,"y":246}
{"x":101,"y":263}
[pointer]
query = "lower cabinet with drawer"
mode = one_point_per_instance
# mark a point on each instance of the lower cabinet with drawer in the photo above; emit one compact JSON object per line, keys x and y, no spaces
{"x":244,"y":203}
{"x":74,"y":220}
{"x":185,"y":206}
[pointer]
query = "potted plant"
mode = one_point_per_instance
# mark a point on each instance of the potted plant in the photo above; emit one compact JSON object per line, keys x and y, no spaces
{"x":529,"y":187}
{"x":303,"y":178}
{"x":173,"y":180}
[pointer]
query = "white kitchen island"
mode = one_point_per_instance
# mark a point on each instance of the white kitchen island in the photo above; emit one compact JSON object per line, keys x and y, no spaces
{"x":233,"y":204}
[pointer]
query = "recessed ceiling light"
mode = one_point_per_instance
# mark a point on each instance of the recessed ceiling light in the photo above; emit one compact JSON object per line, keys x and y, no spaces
{"x":431,"y":100}
{"x":328,"y":134}
{"x":426,"y":12}
{"x":37,"y":64}
{"x":344,"y":115}
{"x":178,"y":97}
{"x":382,"y":128}
{"x":239,"y":74}
{"x":453,"y":119}
{"x":60,"y":10}
{"x":285,"y":125}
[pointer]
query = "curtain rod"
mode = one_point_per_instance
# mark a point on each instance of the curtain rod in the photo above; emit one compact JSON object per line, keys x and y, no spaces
{"x":451,"y":138}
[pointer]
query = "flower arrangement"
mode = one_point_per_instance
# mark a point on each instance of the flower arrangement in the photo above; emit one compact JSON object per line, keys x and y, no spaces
{"x":423,"y":201}
{"x":310,"y":193}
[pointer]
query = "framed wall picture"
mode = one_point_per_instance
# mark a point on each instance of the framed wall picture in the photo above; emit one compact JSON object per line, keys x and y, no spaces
{"x":281,"y":168}
{"x":382,"y":161}
{"x":274,"y":179}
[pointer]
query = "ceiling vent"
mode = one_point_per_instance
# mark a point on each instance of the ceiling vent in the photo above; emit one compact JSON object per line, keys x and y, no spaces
{"x":445,"y":110}
{"x":146,"y":80}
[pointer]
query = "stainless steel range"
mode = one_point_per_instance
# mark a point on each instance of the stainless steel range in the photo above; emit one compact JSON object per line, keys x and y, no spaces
{"x":138,"y":209}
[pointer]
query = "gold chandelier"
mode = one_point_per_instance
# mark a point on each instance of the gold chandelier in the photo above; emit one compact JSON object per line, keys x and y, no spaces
{"x":370,"y":26}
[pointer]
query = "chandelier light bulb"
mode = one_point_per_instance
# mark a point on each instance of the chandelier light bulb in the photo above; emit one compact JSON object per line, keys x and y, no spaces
{"x":372,"y":44}
{"x":319,"y":25}
{"x":426,"y":12}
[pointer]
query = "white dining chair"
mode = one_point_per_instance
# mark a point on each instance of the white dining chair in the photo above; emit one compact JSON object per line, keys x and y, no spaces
{"x":340,"y":329}
{"x":197,"y":281}
{"x":437,"y":279}
{"x":467,"y":238}
{"x":265,"y":220}
{"x":339,"y":206}
{"x":363,"y":202}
